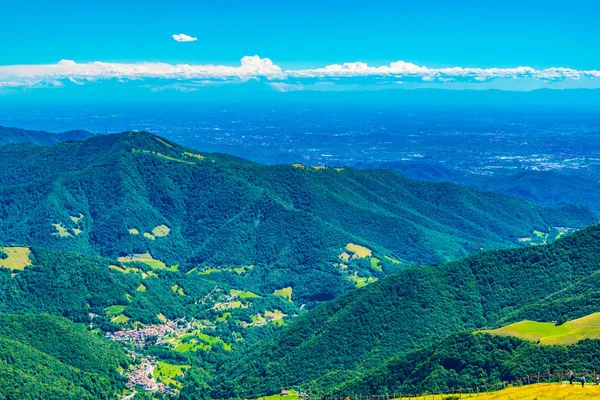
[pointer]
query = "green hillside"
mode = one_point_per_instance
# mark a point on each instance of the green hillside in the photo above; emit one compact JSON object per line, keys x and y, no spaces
{"x":410,"y":309}
{"x":123,"y":195}
{"x":45,"y":357}
{"x":469,"y":361}
{"x":587,"y":327}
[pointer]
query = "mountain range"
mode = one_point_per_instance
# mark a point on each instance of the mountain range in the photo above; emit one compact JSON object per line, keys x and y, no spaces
{"x":250,"y":279}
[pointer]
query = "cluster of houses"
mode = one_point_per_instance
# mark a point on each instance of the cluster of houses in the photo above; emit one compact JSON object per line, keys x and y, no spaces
{"x":139,"y":336}
{"x":143,"y":377}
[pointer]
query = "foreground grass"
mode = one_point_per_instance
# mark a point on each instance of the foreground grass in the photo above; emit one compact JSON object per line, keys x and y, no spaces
{"x":542,"y":391}
{"x":291,"y":396}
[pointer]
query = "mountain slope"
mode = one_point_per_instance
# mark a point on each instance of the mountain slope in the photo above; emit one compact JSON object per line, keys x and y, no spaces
{"x":47,"y":357}
{"x":409,"y":309}
{"x":17,"y":135}
{"x":136,"y":193}
{"x":472,"y":361}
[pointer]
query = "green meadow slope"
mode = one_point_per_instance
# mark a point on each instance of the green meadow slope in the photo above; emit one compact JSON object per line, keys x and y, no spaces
{"x":570,"y":332}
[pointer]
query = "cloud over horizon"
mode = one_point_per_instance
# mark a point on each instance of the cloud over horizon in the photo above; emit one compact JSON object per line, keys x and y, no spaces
{"x":182,"y":37}
{"x":351,"y":74}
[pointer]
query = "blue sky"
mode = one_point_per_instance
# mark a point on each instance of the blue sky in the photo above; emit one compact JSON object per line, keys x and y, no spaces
{"x":299,"y":36}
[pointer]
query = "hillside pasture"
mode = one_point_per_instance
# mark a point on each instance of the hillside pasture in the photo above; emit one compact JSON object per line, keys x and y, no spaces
{"x":548,"y":333}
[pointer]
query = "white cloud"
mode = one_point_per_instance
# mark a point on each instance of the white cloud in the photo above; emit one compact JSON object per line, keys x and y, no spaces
{"x":182,"y":37}
{"x":257,"y":68}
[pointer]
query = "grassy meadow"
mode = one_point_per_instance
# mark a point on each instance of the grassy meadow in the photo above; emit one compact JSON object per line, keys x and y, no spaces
{"x":570,"y":332}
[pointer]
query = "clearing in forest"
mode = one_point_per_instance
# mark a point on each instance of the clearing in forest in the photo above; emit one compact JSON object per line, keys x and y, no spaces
{"x":145,"y":258}
{"x":286,"y":293}
{"x":15,"y":258}
{"x":61,"y":230}
{"x":359,"y":251}
{"x":161,"y":231}
{"x":115,"y":310}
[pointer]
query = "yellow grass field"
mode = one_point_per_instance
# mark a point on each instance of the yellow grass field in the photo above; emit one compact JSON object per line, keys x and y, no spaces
{"x":543,"y":391}
{"x":285,"y":293}
{"x":161,"y":231}
{"x":359,"y":251}
{"x":61,"y":230}
{"x":17,"y":258}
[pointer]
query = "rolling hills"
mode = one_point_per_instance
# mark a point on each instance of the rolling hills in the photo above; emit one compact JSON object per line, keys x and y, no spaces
{"x":17,"y":135}
{"x":136,"y":194}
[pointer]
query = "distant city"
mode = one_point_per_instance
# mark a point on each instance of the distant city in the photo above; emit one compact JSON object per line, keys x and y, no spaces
{"x":474,"y":141}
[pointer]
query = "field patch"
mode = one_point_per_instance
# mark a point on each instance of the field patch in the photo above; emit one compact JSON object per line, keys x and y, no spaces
{"x":133,"y":231}
{"x":286,"y":293}
{"x":291,"y":395}
{"x":115,"y":310}
{"x":161,"y":156}
{"x":167,"y":373}
{"x":360,"y":281}
{"x":161,"y":231}
{"x":121,"y":319}
{"x":375,"y":264}
{"x":243,"y":294}
{"x":549,"y":333}
{"x":359,"y":251}
{"x":177,"y":289}
{"x":15,"y":258}
{"x":145,"y":258}
{"x":194,"y":155}
{"x":76,"y":219}
{"x":149,"y":236}
{"x":141,"y":288}
{"x":61,"y":231}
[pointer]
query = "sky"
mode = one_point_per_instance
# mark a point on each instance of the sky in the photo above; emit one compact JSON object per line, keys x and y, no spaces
{"x":144,"y":49}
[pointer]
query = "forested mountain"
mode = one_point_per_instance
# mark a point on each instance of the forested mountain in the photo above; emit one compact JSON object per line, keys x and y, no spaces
{"x":210,"y":269}
{"x":319,"y":231}
{"x":343,"y":339}
{"x":17,"y":135}
{"x":46,"y":357}
{"x":473,"y":361}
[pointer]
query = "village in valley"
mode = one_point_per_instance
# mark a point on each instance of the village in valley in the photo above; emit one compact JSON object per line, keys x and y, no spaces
{"x":149,"y":373}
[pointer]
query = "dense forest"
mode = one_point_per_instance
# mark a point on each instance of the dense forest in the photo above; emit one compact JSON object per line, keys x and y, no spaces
{"x":47,"y":357}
